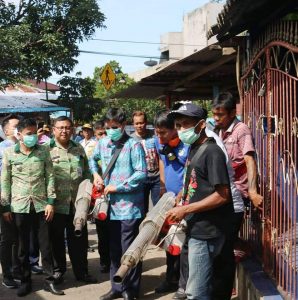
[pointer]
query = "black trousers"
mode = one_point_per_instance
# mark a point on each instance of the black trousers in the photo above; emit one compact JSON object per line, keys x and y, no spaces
{"x":102,"y":229}
{"x":173,"y":268}
{"x":34,"y":247}
{"x":24,"y":223}
{"x":224,"y":266}
{"x":9,"y":249}
{"x":122,"y":234}
{"x":77,"y":246}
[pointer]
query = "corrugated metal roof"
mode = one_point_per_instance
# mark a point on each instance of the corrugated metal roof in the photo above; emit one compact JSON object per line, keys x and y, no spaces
{"x":26,"y":103}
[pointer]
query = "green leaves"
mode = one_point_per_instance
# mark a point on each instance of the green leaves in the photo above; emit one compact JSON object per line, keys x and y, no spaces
{"x":40,"y":37}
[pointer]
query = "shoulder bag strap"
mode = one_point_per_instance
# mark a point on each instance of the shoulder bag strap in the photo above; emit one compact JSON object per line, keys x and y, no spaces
{"x":115,"y":155}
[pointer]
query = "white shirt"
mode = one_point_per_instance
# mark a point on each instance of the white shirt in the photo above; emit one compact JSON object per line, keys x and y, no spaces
{"x":236,"y":195}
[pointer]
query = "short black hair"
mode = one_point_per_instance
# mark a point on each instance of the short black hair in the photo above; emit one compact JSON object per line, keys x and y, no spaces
{"x":6,"y":120}
{"x":115,"y":114}
{"x":164,"y":120}
{"x":99,"y":125}
{"x":26,"y":123}
{"x":63,"y":118}
{"x":224,"y":100}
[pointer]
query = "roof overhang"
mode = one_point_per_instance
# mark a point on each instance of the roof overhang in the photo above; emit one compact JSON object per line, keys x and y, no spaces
{"x":197,"y":76}
{"x":26,"y":104}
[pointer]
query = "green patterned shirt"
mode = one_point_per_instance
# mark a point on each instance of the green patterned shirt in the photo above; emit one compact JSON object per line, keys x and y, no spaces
{"x":27,"y":179}
{"x":70,"y":169}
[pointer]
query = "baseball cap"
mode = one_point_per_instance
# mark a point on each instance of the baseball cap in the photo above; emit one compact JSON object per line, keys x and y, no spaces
{"x":87,"y":126}
{"x":190,"y":110}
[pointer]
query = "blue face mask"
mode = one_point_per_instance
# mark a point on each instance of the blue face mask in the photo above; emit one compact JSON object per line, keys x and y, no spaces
{"x":30,"y":140}
{"x":188,"y":136}
{"x":114,"y":134}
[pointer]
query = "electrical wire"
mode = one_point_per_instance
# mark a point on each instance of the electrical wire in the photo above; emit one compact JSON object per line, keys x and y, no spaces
{"x":143,"y":42}
{"x":127,"y":55}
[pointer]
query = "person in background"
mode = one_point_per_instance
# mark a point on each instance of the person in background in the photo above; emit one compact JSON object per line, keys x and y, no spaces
{"x":70,"y":166}
{"x":28,"y":197}
{"x":99,"y":130}
{"x":124,"y":188}
{"x":173,"y":156}
{"x":8,"y":240}
{"x":44,"y":134}
{"x":146,"y":138}
{"x":78,"y":135}
{"x":89,"y":140}
{"x":207,"y":192}
{"x":238,"y":141}
{"x":102,"y":226}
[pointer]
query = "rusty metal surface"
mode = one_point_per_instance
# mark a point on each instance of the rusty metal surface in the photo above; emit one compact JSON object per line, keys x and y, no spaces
{"x":269,"y":88}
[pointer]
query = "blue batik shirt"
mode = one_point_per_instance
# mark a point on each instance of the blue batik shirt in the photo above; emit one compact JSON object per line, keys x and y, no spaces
{"x":128,"y":175}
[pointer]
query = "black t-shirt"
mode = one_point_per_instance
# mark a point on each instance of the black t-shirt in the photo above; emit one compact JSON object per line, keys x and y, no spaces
{"x":203,"y":174}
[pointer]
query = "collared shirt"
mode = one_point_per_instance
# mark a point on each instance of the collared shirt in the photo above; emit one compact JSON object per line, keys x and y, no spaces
{"x":151,"y":155}
{"x":128,"y":175}
{"x":4,"y":145}
{"x":70,"y":169}
{"x":27,"y":179}
{"x":89,"y":146}
{"x":238,"y":142}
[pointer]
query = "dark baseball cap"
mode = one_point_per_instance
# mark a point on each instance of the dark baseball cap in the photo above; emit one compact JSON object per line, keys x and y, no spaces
{"x":190,"y":110}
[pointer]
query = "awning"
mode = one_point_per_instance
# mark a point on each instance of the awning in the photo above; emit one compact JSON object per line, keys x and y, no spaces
{"x":26,"y":104}
{"x":197,"y":76}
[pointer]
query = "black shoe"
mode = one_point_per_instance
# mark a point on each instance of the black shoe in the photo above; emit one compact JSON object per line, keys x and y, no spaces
{"x":49,"y":286}
{"x":104,"y":269}
{"x":110,"y":296}
{"x":128,"y":295}
{"x":166,"y":287}
{"x":58,"y":278}
{"x":180,"y":294}
{"x":9,"y":283}
{"x":87,"y":279}
{"x":24,"y":289}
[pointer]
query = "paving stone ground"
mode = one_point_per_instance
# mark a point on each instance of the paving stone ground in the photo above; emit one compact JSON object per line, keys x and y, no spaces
{"x":153,"y":274}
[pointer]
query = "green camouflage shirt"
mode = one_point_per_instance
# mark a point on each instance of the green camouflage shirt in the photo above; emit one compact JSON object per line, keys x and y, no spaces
{"x":70,"y":169}
{"x":27,"y":179}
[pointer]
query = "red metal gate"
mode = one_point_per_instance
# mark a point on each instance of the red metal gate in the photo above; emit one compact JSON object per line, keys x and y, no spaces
{"x":269,"y":91}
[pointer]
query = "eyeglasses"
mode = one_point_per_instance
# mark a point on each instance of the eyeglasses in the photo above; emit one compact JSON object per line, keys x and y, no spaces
{"x":66,"y":128}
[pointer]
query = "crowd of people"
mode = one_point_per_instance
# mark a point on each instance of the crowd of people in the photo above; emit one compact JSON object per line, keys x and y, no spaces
{"x":212,"y":173}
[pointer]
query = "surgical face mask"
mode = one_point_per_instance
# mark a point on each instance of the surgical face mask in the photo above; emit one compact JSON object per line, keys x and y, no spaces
{"x":30,"y":140}
{"x":188,"y":136}
{"x":114,"y":134}
{"x":15,"y":133}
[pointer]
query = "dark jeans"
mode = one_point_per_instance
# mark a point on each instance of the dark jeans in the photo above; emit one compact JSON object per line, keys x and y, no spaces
{"x":123,"y":233}
{"x":223,"y":266}
{"x":9,"y":249}
{"x":152,"y":185}
{"x":77,"y":246}
{"x":24,"y":223}
{"x":102,"y":229}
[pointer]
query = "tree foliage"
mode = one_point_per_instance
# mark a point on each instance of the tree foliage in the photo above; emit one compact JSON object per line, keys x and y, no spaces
{"x":77,"y":93}
{"x":38,"y":37}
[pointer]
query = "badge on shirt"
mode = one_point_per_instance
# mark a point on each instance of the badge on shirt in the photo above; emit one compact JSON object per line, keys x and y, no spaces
{"x":181,"y":152}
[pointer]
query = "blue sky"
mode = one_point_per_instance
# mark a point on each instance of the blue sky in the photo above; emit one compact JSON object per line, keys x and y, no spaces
{"x":133,"y":20}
